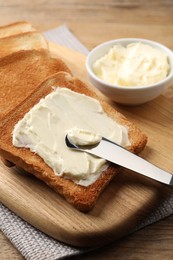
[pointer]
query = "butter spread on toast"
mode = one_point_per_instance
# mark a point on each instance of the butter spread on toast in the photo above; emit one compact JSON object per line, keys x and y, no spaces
{"x":83,"y":137}
{"x":44,"y":127}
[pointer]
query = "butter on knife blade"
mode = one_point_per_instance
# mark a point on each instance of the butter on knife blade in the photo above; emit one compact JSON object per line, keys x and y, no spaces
{"x":115,"y":153}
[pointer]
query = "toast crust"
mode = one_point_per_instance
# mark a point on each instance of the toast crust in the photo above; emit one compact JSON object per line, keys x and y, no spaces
{"x":83,"y":198}
{"x":15,"y":28}
{"x":23,"y":41}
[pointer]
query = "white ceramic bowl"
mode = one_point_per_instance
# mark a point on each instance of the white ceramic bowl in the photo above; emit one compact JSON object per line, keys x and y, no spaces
{"x":134,"y":95}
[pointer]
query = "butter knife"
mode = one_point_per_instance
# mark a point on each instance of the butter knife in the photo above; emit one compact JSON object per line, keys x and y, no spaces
{"x":115,"y":153}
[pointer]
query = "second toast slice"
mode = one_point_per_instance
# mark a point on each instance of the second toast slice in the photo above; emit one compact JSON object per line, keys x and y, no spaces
{"x":20,"y":74}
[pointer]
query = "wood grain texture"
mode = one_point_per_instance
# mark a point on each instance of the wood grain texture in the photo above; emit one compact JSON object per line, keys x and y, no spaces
{"x":95,"y":22}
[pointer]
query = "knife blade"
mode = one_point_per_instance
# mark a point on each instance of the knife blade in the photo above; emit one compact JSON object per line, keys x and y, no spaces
{"x":115,"y":153}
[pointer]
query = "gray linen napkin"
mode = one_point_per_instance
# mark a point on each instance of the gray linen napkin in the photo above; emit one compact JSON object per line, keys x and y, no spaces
{"x":63,"y":36}
{"x":33,"y":244}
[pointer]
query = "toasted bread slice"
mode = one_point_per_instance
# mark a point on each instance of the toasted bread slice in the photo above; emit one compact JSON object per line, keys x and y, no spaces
{"x":15,"y":28}
{"x":20,"y":74}
{"x":83,"y":198}
{"x":23,"y":41}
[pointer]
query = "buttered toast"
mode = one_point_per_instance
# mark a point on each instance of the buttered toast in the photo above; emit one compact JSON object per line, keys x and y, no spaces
{"x":81,"y":197}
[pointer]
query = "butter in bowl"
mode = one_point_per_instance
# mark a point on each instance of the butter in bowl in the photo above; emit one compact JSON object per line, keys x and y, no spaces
{"x":131,"y":71}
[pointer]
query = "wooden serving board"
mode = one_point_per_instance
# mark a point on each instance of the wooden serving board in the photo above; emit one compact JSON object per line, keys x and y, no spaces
{"x":126,"y":201}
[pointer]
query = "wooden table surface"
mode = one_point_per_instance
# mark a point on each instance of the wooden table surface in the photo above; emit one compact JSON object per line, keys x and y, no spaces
{"x":94,"y":22}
